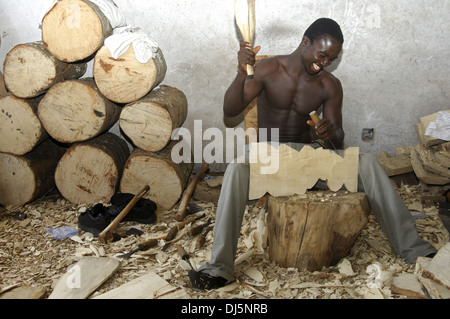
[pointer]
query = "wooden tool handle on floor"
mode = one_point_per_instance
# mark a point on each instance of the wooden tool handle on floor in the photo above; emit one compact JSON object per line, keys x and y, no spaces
{"x":181,"y":213}
{"x":107,"y":234}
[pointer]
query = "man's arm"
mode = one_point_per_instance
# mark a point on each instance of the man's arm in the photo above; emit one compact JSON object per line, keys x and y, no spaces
{"x":330,"y":126}
{"x":242,"y":90}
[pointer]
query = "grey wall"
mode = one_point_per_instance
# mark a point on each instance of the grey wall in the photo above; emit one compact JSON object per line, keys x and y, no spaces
{"x":394,"y":67}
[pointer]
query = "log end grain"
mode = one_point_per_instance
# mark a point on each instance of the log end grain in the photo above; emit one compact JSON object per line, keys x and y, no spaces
{"x":25,"y":178}
{"x":73,"y":30}
{"x":74,"y":111}
{"x":20,"y":128}
{"x":125,"y":79}
{"x":28,"y":71}
{"x":17,"y":180}
{"x":150,"y":121}
{"x":166,"y":179}
{"x":89,"y":172}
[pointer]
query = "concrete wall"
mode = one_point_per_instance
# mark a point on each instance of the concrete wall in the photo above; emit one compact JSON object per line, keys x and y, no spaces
{"x":394,"y":67}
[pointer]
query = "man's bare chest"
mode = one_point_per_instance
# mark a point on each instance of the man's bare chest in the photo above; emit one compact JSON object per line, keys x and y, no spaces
{"x":300,"y":97}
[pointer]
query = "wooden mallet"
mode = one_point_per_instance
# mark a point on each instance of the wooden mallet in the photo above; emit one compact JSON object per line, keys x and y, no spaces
{"x":107,"y":234}
{"x":244,"y":12}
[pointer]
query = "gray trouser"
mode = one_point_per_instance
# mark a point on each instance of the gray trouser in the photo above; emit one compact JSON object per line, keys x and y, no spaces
{"x":391,"y":213}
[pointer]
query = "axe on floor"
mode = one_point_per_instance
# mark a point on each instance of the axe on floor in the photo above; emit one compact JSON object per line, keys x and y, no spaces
{"x":107,"y":234}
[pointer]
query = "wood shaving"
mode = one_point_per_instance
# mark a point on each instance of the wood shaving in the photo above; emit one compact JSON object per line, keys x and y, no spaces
{"x":31,"y":256}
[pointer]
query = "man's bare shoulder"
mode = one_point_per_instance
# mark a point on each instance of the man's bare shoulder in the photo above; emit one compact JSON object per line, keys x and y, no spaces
{"x":331,"y":83}
{"x":270,"y":64}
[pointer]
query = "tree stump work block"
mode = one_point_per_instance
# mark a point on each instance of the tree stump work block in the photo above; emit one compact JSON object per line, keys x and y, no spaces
{"x":309,"y":233}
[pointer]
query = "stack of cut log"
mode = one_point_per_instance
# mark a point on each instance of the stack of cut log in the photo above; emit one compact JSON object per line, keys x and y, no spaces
{"x":54,"y":124}
{"x":429,"y":160}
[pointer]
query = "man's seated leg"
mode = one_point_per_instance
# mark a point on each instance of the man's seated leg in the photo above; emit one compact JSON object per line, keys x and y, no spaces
{"x":390,"y":211}
{"x":230,"y":212}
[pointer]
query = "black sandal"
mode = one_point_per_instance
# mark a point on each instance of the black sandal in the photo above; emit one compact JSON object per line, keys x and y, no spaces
{"x":204,"y":281}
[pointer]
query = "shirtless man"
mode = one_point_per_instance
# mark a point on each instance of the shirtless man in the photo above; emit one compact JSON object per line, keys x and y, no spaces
{"x":287,"y":89}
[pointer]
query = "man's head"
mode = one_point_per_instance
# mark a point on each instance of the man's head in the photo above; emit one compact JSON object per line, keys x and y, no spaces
{"x":321,"y":45}
{"x":324,"y":26}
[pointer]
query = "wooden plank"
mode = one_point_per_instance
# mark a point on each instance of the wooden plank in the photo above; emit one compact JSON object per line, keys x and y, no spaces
{"x":148,"y":286}
{"x":424,"y":175}
{"x":439,"y":267}
{"x":84,"y":278}
{"x":422,"y":127}
{"x":442,"y":153}
{"x":400,"y":164}
{"x":430,"y":163}
{"x":284,"y":171}
{"x":25,"y":292}
{"x":407,"y":285}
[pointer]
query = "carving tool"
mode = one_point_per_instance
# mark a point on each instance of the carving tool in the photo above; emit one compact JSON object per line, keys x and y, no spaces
{"x":244,"y":12}
{"x":315,"y":118}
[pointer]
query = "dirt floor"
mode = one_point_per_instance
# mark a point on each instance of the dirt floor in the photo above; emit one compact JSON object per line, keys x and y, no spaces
{"x":31,"y":256}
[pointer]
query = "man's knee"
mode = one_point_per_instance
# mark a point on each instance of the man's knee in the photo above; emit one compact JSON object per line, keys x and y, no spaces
{"x":238,"y":170}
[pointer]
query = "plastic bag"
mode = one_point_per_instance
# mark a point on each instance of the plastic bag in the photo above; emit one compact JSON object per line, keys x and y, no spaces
{"x":62,"y":232}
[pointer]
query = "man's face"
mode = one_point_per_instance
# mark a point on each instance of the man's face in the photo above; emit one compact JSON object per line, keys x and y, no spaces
{"x":320,"y":53}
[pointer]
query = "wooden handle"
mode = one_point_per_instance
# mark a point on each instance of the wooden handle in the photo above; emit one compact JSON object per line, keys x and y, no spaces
{"x":244,"y":12}
{"x":106,"y":235}
{"x":181,"y":213}
{"x":314,"y":117}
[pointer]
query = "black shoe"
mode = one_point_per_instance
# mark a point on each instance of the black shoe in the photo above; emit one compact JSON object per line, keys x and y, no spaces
{"x":94,"y":220}
{"x":144,"y":211}
{"x":204,"y":281}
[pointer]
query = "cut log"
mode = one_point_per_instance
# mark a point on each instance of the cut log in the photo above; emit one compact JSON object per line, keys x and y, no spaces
{"x":284,"y":171}
{"x":126,"y":80}
{"x":2,"y":85}
{"x":30,"y":70}
{"x":89,"y":172}
{"x":311,"y":233}
{"x":25,"y":178}
{"x":149,"y":122}
{"x":75,"y":111}
{"x":73,"y":30}
{"x":166,"y":179}
{"x":20,"y":128}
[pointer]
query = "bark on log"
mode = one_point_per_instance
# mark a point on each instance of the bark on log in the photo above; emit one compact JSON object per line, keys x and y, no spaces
{"x":312,"y":233}
{"x":30,"y":70}
{"x":126,"y":80}
{"x":2,"y":85}
{"x":89,"y":172}
{"x":75,"y":111}
{"x":20,"y":128}
{"x":74,"y":30}
{"x":25,"y":178}
{"x":166,"y":179}
{"x":149,"y":122}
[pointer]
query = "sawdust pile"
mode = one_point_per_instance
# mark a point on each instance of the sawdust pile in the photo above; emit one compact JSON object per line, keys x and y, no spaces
{"x":31,"y":256}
